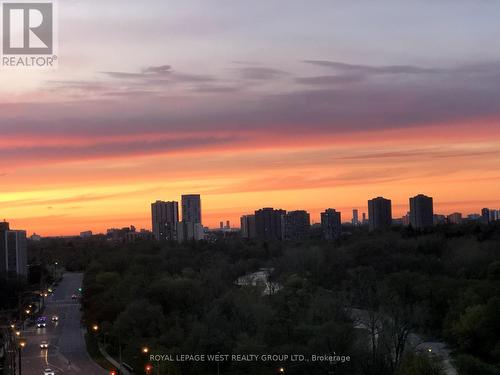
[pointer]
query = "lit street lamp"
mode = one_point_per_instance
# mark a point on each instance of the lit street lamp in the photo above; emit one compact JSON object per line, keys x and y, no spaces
{"x":22,"y":344}
{"x":149,"y":369}
{"x":95,"y":328}
{"x":145,"y":350}
{"x":281,"y":370}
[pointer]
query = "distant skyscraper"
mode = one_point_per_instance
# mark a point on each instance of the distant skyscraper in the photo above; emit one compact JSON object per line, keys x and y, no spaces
{"x":13,"y":252}
{"x":379,"y":213}
{"x":331,"y":223}
{"x":355,"y":217}
{"x":165,"y":216}
{"x":455,"y":218}
{"x":248,"y":226}
{"x":364,"y":218}
{"x":191,"y":208}
{"x":297,"y":225}
{"x":485,"y":213}
{"x":270,"y":224}
{"x":421,"y":212}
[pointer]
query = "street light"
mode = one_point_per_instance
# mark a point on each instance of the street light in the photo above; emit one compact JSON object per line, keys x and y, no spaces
{"x":148,"y":369}
{"x":95,"y":328}
{"x":281,"y":370}
{"x":18,"y":333}
{"x":145,"y":350}
{"x":22,"y":344}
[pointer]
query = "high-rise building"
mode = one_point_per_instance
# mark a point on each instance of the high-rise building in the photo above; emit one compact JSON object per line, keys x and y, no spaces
{"x":421,"y":212}
{"x":248,"y":226}
{"x":406,"y":219}
{"x":331,"y":224}
{"x":13,"y":252}
{"x":485,"y":213}
{"x":189,"y":231}
{"x":455,"y":218}
{"x":494,"y":215}
{"x":191,"y":208}
{"x":355,"y":217}
{"x":379,"y":213}
{"x":364,"y":218}
{"x":165,"y":216}
{"x":297,"y":225}
{"x":270,"y":224}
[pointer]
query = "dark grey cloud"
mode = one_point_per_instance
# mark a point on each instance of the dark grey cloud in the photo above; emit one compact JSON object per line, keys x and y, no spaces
{"x":331,"y":80}
{"x":207,"y":88}
{"x":162,"y":69}
{"x":105,"y":149}
{"x":160,"y":75}
{"x":258,"y":73}
{"x":366,"y":69}
{"x":458,"y":94}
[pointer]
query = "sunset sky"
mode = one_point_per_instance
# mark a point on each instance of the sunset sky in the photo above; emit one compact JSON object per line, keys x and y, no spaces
{"x":287,"y":104}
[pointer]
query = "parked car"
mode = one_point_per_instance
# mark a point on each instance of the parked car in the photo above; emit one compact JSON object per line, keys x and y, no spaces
{"x":48,"y":371}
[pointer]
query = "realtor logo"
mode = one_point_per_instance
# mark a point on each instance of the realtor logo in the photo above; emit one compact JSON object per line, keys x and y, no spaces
{"x":28,"y":28}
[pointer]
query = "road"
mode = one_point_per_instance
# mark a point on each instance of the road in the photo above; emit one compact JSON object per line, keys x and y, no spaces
{"x":67,"y":353}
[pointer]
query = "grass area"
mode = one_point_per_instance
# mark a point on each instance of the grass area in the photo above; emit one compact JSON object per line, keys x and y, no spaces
{"x":95,"y":354}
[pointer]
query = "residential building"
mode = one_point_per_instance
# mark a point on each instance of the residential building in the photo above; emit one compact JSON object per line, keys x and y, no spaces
{"x":248,"y":229}
{"x":421,"y":212}
{"x":13,"y":252}
{"x":297,"y":225}
{"x":191,"y":208}
{"x":270,"y":224}
{"x":455,"y":218}
{"x":331,"y":224}
{"x":165,"y":216}
{"x":355,"y":217}
{"x":189,"y":231}
{"x":379,"y":213}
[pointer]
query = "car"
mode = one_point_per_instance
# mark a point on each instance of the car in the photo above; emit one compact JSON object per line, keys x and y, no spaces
{"x":74,"y":296}
{"x":48,"y":371}
{"x":44,"y":345}
{"x":55,"y":318}
{"x":41,"y":322}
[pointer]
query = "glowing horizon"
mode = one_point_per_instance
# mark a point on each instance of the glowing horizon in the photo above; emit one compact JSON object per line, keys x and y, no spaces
{"x":305,"y":112}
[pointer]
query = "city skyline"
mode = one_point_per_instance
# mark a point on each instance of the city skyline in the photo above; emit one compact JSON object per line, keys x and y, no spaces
{"x":248,"y":111}
{"x":164,"y":216}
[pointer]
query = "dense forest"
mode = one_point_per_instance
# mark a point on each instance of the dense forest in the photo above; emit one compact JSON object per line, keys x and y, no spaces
{"x":366,"y":296}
